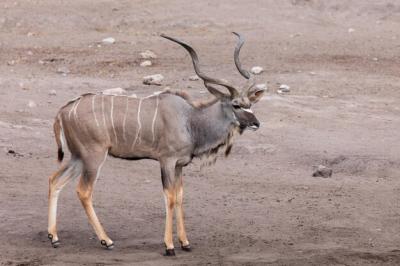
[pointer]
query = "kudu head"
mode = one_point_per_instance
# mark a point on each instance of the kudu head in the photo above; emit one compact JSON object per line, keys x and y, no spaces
{"x":237,"y":103}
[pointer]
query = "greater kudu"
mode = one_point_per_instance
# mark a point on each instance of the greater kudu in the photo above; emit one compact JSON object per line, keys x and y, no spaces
{"x":166,"y":127}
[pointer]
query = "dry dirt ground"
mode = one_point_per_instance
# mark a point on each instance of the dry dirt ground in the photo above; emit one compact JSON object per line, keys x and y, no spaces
{"x":259,"y":206}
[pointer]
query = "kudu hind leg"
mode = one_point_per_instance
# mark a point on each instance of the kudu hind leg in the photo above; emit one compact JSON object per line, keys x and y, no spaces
{"x":85,"y":194}
{"x":180,"y":224}
{"x":56,"y":182}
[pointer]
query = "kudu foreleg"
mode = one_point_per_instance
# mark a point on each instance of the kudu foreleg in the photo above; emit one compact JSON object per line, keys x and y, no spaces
{"x":168,"y":181}
{"x":180,"y":224}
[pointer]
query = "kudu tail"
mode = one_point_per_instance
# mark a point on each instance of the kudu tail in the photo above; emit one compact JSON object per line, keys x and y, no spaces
{"x":59,"y":135}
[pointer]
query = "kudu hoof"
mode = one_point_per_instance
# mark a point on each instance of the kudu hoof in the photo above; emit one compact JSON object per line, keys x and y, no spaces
{"x":186,"y":248}
{"x":108,"y":247}
{"x":169,"y":252}
{"x":56,"y":243}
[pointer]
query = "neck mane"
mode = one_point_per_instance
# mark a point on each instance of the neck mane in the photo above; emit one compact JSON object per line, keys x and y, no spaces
{"x":198,"y":104}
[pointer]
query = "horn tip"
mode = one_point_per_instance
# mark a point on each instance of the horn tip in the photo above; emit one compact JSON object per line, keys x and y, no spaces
{"x":237,"y":34}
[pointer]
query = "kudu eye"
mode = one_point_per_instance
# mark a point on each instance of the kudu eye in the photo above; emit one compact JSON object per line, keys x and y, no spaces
{"x":236,"y":106}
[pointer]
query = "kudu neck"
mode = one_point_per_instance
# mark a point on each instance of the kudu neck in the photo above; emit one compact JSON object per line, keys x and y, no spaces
{"x":210,"y":127}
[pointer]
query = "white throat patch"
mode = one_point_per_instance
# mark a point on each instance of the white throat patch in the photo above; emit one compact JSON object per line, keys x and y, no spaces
{"x":247,"y":110}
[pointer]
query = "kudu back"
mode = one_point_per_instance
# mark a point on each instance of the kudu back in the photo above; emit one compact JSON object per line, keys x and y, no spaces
{"x":168,"y":127}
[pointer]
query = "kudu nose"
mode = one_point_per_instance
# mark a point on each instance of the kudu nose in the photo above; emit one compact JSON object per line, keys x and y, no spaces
{"x":255,"y":125}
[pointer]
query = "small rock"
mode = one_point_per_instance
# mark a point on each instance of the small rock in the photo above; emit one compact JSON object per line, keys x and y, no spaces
{"x":14,"y":153}
{"x":194,"y":78}
{"x":256,"y":70}
{"x":283,"y":88}
{"x":148,"y":55}
{"x":322,"y":171}
{"x":115,"y":91}
{"x":375,"y":59}
{"x":295,"y":35}
{"x":11,"y":62}
{"x":146,"y":63}
{"x":312,"y":73}
{"x":32,"y":104}
{"x":153,"y":79}
{"x":350,"y":30}
{"x":63,"y":70}
{"x":52,"y":92}
{"x":261,"y":86}
{"x":109,"y":40}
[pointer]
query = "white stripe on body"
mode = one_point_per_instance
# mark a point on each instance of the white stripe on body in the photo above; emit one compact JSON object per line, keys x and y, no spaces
{"x":71,"y":110}
{"x":154,"y":118}
{"x":104,"y":116}
{"x":139,"y":124}
{"x":112,"y":119}
{"x":102,"y":111}
{"x":100,"y":166}
{"x":62,"y":135}
{"x":124,"y":123}
{"x":93,"y":110}
{"x":76,"y":106}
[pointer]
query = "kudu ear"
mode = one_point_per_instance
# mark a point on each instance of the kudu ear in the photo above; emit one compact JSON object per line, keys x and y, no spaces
{"x":255,"y":94}
{"x":216,"y":92}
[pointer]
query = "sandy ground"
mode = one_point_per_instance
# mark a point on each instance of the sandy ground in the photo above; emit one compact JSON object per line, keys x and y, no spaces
{"x":259,"y":206}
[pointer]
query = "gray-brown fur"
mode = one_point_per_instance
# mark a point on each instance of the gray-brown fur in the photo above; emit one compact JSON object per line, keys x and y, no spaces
{"x":168,"y":127}
{"x":204,"y":130}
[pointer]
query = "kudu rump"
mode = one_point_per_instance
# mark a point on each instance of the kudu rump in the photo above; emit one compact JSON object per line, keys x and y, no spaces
{"x":167,"y":127}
